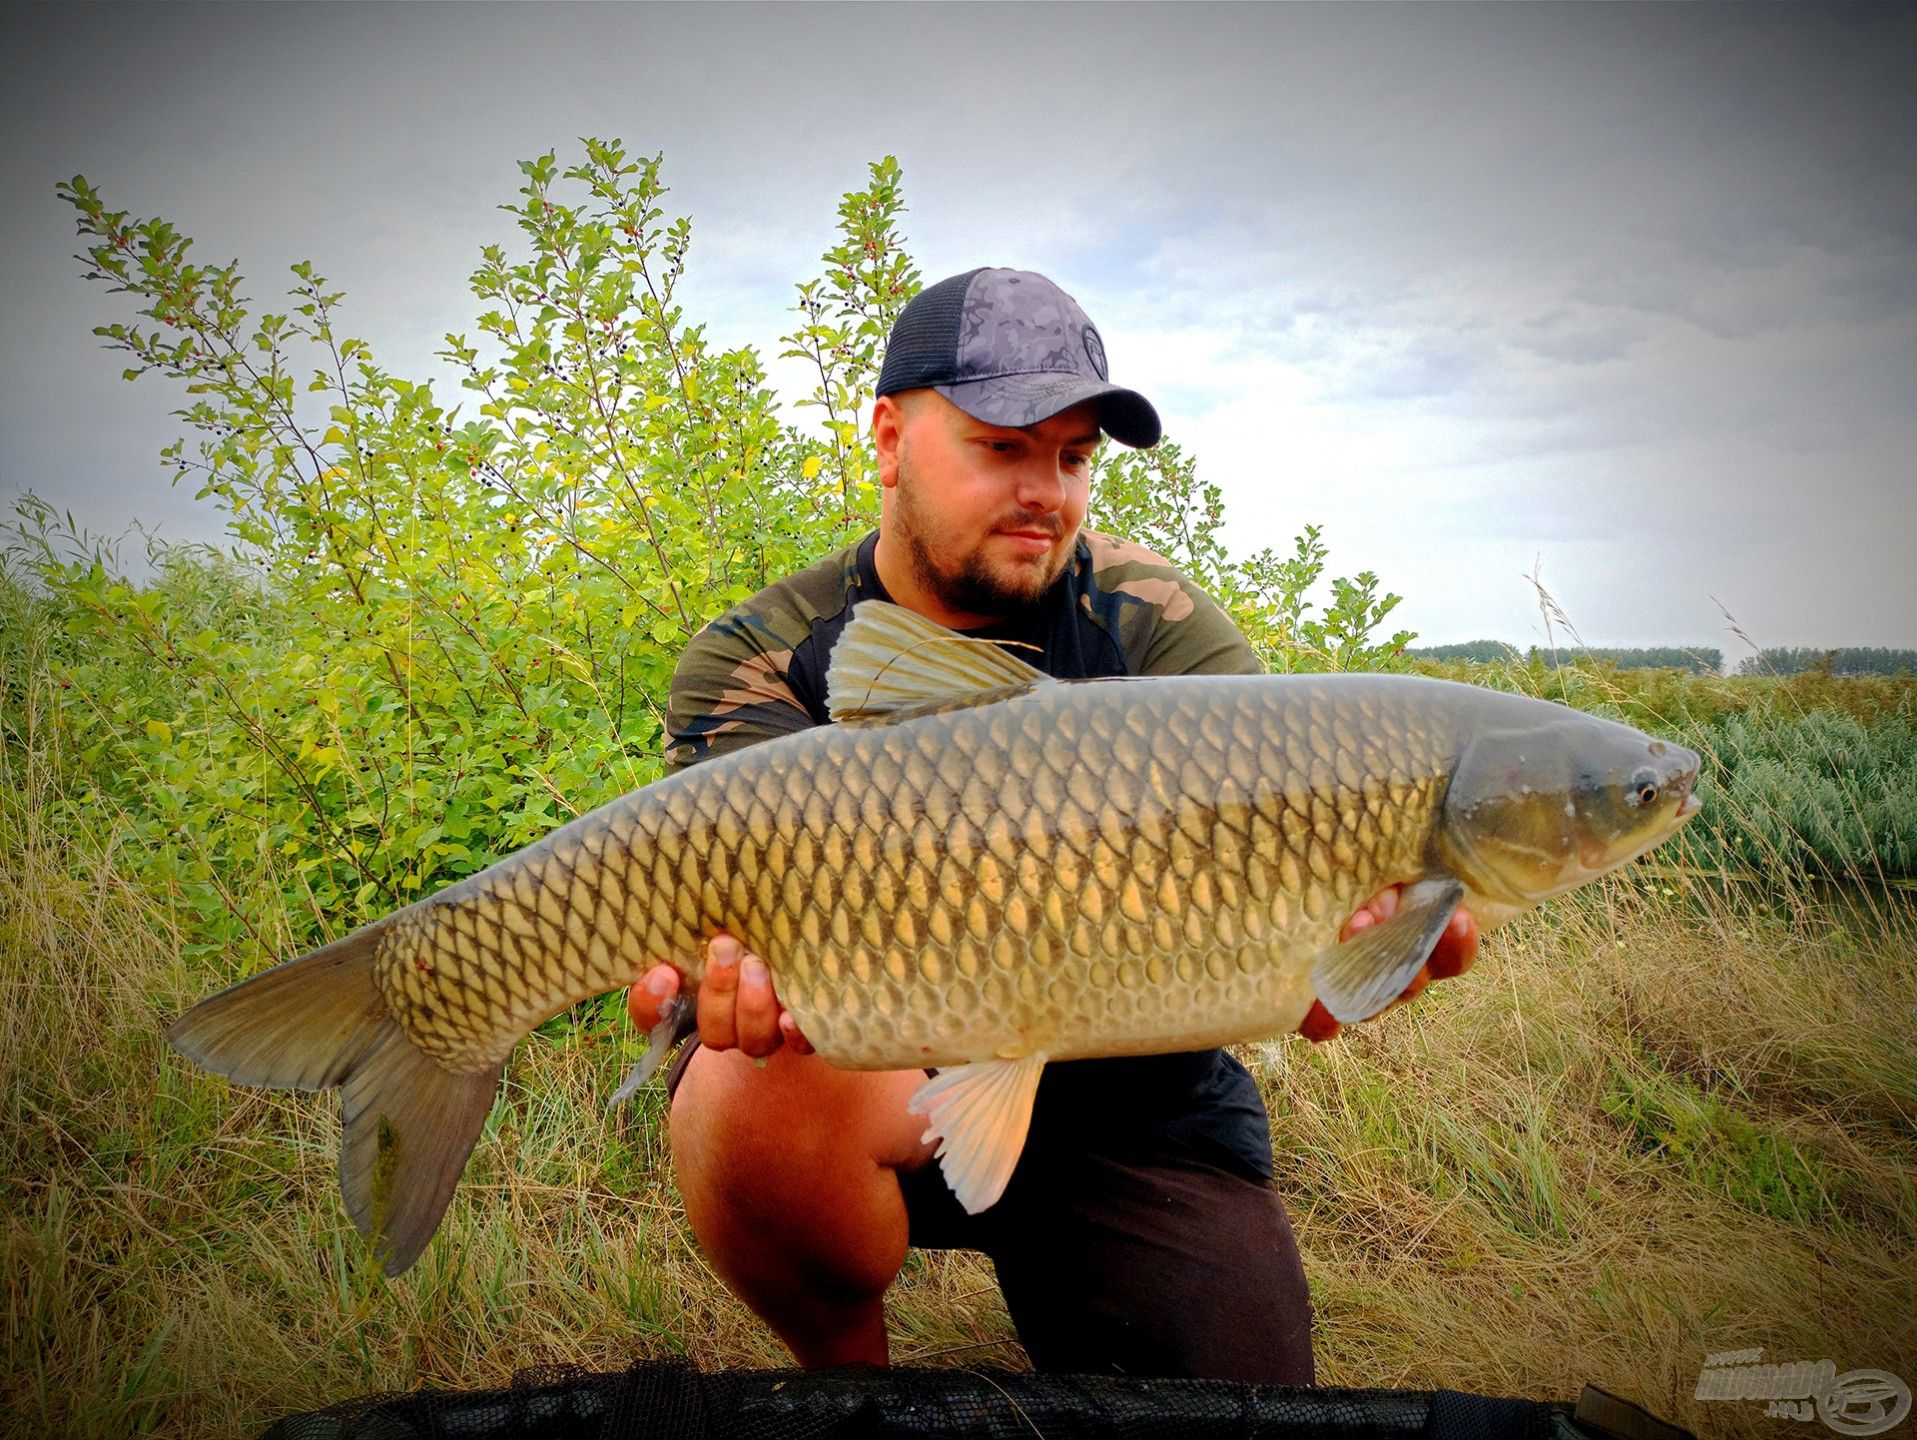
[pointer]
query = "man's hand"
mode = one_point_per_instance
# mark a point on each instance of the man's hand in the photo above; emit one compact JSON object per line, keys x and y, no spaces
{"x":737,"y":1009}
{"x":1454,"y":953}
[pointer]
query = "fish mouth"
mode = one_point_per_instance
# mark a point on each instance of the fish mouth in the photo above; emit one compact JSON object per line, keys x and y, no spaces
{"x":1687,"y":807}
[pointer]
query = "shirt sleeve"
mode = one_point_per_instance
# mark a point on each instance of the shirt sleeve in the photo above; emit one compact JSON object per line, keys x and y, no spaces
{"x":1202,"y":641}
{"x":738,"y":682}
{"x":730,"y":690}
{"x":1164,"y":622}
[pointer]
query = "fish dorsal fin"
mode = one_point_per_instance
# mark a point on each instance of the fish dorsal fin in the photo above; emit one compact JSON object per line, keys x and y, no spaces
{"x":978,"y":1114}
{"x":890,"y":659}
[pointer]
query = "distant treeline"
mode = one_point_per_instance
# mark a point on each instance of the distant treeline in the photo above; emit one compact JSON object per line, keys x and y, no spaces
{"x":1851,"y":660}
{"x":1698,"y":659}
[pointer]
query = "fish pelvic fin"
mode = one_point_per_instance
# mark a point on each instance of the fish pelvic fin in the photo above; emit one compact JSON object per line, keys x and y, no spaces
{"x":889,"y":660}
{"x":321,"y":1021}
{"x":1357,"y":978}
{"x":678,"y":1018}
{"x":979,"y":1114}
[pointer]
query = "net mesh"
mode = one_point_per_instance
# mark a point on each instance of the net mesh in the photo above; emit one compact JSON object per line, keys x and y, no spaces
{"x":674,"y":1401}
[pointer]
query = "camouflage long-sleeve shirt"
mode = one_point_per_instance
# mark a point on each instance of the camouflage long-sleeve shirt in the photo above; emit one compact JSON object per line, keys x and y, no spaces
{"x":758,"y":671}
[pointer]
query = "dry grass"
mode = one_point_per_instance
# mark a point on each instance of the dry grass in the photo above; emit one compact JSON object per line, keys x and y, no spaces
{"x":1653,"y":1123}
{"x":1645,"y":1128}
{"x":175,"y":1255}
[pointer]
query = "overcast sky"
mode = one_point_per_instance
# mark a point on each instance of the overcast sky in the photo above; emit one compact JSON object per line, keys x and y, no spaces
{"x":1630,"y":291}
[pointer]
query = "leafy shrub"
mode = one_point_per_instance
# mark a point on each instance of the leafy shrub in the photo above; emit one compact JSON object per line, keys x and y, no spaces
{"x":1155,"y":498}
{"x":446,"y":631}
{"x":448,"y":627}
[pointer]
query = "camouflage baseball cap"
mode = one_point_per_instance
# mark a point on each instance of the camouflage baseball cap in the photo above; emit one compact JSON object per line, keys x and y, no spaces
{"x":1010,"y":348}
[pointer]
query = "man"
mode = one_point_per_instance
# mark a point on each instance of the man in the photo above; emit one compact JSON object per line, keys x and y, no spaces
{"x":1140,"y":1233}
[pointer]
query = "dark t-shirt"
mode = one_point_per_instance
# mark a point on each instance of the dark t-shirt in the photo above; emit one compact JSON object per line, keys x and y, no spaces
{"x":759,"y":671}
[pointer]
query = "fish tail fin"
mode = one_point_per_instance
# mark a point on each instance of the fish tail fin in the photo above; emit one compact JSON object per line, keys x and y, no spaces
{"x":303,"y":1025}
{"x":409,"y":1123}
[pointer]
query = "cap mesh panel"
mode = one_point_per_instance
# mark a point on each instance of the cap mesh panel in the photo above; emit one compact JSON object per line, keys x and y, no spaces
{"x":923,"y":349}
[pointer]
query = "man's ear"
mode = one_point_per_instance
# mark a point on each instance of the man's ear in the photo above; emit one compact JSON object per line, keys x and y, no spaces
{"x":888,"y":437}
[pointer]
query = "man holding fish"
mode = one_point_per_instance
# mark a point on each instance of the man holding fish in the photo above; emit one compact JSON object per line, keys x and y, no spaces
{"x":1139,"y":1233}
{"x":982,"y":871}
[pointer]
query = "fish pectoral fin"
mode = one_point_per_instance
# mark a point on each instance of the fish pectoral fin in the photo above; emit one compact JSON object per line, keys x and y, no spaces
{"x":678,"y":1018}
{"x":979,"y":1114}
{"x":1357,"y":978}
{"x":890,"y":659}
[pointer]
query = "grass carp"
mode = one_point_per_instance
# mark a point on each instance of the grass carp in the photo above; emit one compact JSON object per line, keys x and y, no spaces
{"x":980,"y":869}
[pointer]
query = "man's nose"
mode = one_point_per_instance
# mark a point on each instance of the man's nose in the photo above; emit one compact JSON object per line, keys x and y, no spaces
{"x":1042,"y":483}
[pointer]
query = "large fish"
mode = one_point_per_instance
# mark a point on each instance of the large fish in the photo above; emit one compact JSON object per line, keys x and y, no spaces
{"x":981,"y":869}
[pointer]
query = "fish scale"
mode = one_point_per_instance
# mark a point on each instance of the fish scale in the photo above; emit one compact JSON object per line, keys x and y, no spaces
{"x":981,"y":870}
{"x":982,"y":876}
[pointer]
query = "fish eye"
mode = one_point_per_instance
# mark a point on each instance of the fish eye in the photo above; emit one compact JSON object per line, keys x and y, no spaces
{"x":1643,"y":788}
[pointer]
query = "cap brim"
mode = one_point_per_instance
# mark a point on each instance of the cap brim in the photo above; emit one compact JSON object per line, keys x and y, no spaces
{"x":1019,"y":400}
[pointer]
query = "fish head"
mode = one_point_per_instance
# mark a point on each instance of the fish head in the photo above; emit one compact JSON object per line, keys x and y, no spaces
{"x":1532,"y":812}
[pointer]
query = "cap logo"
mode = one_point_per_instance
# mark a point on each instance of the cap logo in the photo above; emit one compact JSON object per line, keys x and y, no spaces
{"x":1095,"y":352}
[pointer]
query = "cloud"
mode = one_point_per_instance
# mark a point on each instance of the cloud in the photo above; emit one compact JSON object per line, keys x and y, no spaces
{"x":1575,"y":337}
{"x":1634,"y":286}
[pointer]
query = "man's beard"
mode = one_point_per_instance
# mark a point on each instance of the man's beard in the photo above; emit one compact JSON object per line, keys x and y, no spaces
{"x":971,"y":584}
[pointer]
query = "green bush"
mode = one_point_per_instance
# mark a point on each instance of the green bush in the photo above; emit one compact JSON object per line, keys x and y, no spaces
{"x":446,"y":628}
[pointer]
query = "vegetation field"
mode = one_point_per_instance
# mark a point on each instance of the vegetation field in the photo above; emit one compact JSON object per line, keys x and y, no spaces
{"x":1673,"y":1114}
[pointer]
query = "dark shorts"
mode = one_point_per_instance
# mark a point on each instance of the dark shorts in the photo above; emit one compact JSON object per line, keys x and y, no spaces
{"x":1149,"y":1262}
